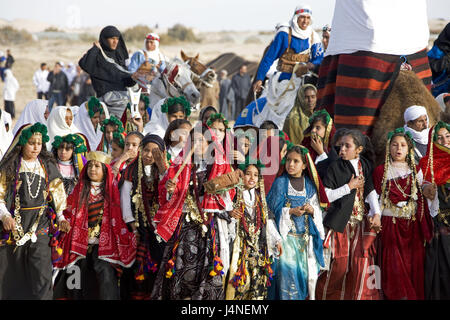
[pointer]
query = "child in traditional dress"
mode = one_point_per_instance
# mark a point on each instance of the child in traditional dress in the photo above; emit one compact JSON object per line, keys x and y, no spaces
{"x":32,"y":200}
{"x":351,"y":230}
{"x":109,"y":126}
{"x":98,"y":242}
{"x":406,"y":223}
{"x":256,"y":239}
{"x":175,"y":137}
{"x":68,"y":151}
{"x":436,"y":171}
{"x":129,"y":153}
{"x":317,"y":138}
{"x":139,"y":203}
{"x":194,"y":223}
{"x":296,"y":199}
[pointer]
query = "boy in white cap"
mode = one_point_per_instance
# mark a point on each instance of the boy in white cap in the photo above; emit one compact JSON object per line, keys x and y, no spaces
{"x":416,"y":122}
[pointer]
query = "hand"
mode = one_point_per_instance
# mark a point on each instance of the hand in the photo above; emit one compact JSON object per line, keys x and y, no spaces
{"x":308,"y":209}
{"x":310,"y":65}
{"x":257,"y":86}
{"x":237,"y":156}
{"x":129,"y":154}
{"x":9,"y":223}
{"x":237,"y":214}
{"x":64,"y":226}
{"x":429,"y":191}
{"x":170,"y":186}
{"x":317,"y":144}
{"x":283,"y":151}
{"x":356,"y":182}
{"x":375,"y":222}
{"x":298,"y":211}
{"x":302,"y":70}
{"x":280,"y":249}
{"x":139,"y":123}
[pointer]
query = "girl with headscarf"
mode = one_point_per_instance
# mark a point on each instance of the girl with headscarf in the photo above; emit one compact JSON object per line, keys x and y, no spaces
{"x":60,"y":123}
{"x":105,"y":63}
{"x":32,"y":200}
{"x":194,"y":223}
{"x":34,"y":111}
{"x":87,"y":120}
{"x":109,"y":127}
{"x":139,"y":202}
{"x":98,"y":242}
{"x":297,"y":120}
{"x":436,"y":172}
{"x":439,"y":58}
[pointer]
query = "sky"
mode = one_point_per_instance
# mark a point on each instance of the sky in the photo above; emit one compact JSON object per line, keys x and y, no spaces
{"x":203,"y":15}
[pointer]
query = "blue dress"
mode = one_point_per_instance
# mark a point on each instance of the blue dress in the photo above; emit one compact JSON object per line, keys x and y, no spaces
{"x":290,"y":279}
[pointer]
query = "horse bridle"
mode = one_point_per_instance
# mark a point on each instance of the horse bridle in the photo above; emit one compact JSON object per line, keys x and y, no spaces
{"x":170,"y":82}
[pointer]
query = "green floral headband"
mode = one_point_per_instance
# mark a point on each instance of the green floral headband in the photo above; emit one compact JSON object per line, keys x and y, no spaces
{"x":401,"y":131}
{"x":76,"y":140}
{"x":217,"y":116}
{"x":118,"y":138}
{"x":319,"y":113}
{"x":439,"y":126}
{"x":177,"y":100}
{"x":94,"y":106}
{"x":290,"y":146}
{"x":112,"y":121}
{"x":35,"y":128}
{"x":250,"y":161}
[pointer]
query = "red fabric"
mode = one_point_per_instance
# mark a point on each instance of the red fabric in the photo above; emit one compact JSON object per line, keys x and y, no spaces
{"x":440,"y":160}
{"x":170,"y":210}
{"x":349,"y":273}
{"x":116,"y":244}
{"x":402,"y":245}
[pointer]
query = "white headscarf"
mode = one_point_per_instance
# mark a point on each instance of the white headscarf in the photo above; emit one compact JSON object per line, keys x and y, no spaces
{"x":7,"y":120}
{"x":32,"y":113}
{"x":5,"y":137}
{"x":57,"y":125}
{"x":296,"y":30}
{"x":83,"y":122}
{"x":156,"y":55}
{"x":411,"y":114}
{"x":440,"y":100}
{"x":159,"y":122}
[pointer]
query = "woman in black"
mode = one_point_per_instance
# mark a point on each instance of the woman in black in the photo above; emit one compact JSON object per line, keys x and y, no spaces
{"x":105,"y":63}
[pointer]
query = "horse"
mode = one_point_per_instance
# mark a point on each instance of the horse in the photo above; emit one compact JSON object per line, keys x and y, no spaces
{"x":202,"y":75}
{"x":174,"y":81}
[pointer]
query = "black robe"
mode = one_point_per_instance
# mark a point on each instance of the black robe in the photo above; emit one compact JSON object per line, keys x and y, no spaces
{"x":338,"y":174}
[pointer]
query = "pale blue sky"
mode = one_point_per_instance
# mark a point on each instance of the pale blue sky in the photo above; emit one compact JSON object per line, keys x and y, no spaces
{"x":204,"y":15}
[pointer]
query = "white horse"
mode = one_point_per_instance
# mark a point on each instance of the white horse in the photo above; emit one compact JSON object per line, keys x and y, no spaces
{"x":174,"y":81}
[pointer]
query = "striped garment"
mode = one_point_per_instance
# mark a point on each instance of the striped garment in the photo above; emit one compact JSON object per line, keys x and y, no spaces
{"x":353,"y":87}
{"x":94,"y":209}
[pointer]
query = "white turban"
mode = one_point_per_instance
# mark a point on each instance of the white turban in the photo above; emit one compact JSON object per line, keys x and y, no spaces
{"x":414,"y":112}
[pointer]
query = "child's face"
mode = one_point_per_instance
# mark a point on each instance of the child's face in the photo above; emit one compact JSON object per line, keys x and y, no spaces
{"x":147,"y":155}
{"x":294,"y":164}
{"x":175,"y":116}
{"x":69,"y":117}
{"x":348,"y":150}
{"x":251,"y":177}
{"x":95,"y":171}
{"x":244,"y":145}
{"x":318,"y":128}
{"x":65,"y":152}
{"x":116,"y":150}
{"x":219,"y":129}
{"x":132,"y":143}
{"x":443,"y":137}
{"x":398,"y":149}
{"x":109,"y":131}
{"x":200,"y":144}
{"x":179,"y":136}
{"x":95,"y":120}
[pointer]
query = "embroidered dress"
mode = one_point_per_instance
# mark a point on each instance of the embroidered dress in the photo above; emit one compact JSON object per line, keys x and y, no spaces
{"x":256,"y":236}
{"x":296,"y":272}
{"x":26,"y":270}
{"x":406,"y":225}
